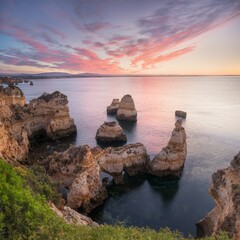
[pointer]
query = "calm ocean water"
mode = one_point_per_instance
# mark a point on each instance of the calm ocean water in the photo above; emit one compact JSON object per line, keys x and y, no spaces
{"x":213,"y":138}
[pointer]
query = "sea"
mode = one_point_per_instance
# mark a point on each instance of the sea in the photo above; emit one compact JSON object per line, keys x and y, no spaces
{"x":212,"y":125}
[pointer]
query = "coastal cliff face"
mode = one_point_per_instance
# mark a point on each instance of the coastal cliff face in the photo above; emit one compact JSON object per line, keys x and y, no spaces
{"x":170,"y":160}
{"x":131,"y":158}
{"x":225,"y":190}
{"x":77,"y":170}
{"x":13,"y":139}
{"x":47,"y":115}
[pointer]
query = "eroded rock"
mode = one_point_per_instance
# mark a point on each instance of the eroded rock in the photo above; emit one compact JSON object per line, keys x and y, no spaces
{"x":180,"y":113}
{"x":72,"y":217}
{"x":111,"y":132}
{"x":77,"y":170}
{"x":48,"y":116}
{"x":131,"y":158}
{"x":127,"y":110}
{"x":112,"y":109}
{"x":170,"y":160}
{"x":225,"y":190}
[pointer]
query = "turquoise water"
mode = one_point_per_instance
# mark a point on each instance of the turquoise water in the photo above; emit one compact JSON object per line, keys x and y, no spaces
{"x":213,"y":137}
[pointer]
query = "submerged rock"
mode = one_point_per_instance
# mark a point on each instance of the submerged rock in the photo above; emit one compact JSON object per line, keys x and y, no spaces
{"x":111,"y":132}
{"x":126,"y":110}
{"x":131,"y":158}
{"x":77,"y":170}
{"x":225,"y":190}
{"x":170,"y":160}
{"x":181,"y":114}
{"x":112,"y":109}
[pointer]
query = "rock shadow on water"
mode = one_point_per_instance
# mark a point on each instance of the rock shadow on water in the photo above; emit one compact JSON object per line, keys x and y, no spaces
{"x":128,"y":127}
{"x":167,"y":187}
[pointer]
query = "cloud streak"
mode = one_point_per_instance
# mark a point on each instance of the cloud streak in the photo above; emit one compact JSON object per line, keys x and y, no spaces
{"x":94,"y":39}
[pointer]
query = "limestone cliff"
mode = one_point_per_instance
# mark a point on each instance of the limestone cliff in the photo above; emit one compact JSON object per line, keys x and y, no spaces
{"x":47,"y":115}
{"x":170,"y":160}
{"x":225,"y":190}
{"x":77,"y":170}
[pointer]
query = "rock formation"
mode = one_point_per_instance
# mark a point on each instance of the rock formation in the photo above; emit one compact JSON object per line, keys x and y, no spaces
{"x":126,"y":110}
{"x":170,"y":160}
{"x":112,"y":109}
{"x":225,"y":190}
{"x":72,"y":217}
{"x":77,"y":170}
{"x":181,"y":114}
{"x":47,"y":115}
{"x":111,"y":132}
{"x":131,"y":158}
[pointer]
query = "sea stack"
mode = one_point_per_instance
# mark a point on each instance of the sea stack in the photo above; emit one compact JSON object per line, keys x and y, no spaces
{"x":170,"y":160}
{"x":111,"y":132}
{"x":180,"y":113}
{"x":112,"y":109}
{"x":225,"y":190}
{"x":126,"y":110}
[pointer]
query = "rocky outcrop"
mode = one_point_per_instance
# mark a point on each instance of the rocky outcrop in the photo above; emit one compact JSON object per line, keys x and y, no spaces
{"x":111,"y":132}
{"x":72,"y":217}
{"x":225,"y":190}
{"x":126,"y":110}
{"x":131,"y":158}
{"x":77,"y":170}
{"x":48,"y":116}
{"x":170,"y":160}
{"x":112,"y":109}
{"x":181,"y":114}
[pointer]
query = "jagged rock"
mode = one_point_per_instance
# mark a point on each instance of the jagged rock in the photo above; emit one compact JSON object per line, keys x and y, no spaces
{"x":170,"y":160}
{"x":11,"y":95}
{"x":77,"y":170}
{"x":112,"y":109}
{"x":48,"y":115}
{"x":72,"y":217}
{"x":111,"y":132}
{"x":181,"y":114}
{"x":131,"y":158}
{"x":225,"y":190}
{"x":126,"y":110}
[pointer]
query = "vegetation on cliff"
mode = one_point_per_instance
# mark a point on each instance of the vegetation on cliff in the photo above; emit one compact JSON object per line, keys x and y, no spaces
{"x":25,"y":213}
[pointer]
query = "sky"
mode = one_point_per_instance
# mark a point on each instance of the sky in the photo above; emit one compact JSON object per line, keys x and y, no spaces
{"x":120,"y":36}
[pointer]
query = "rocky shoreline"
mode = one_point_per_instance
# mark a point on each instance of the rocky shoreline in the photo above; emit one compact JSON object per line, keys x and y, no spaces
{"x":77,"y":168}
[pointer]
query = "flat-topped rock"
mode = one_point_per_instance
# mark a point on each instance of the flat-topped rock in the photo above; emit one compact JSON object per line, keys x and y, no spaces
{"x":112,"y":109}
{"x":180,"y":113}
{"x":110,"y":132}
{"x":126,"y":110}
{"x":170,"y":160}
{"x":131,"y":158}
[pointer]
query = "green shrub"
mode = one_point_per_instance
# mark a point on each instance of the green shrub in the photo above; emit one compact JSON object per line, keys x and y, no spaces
{"x":24,"y":214}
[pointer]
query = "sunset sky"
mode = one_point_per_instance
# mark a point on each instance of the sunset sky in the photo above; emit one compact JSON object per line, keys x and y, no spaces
{"x":120,"y":36}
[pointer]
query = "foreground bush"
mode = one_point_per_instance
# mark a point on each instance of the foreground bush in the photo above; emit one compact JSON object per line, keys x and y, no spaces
{"x":26,"y":215}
